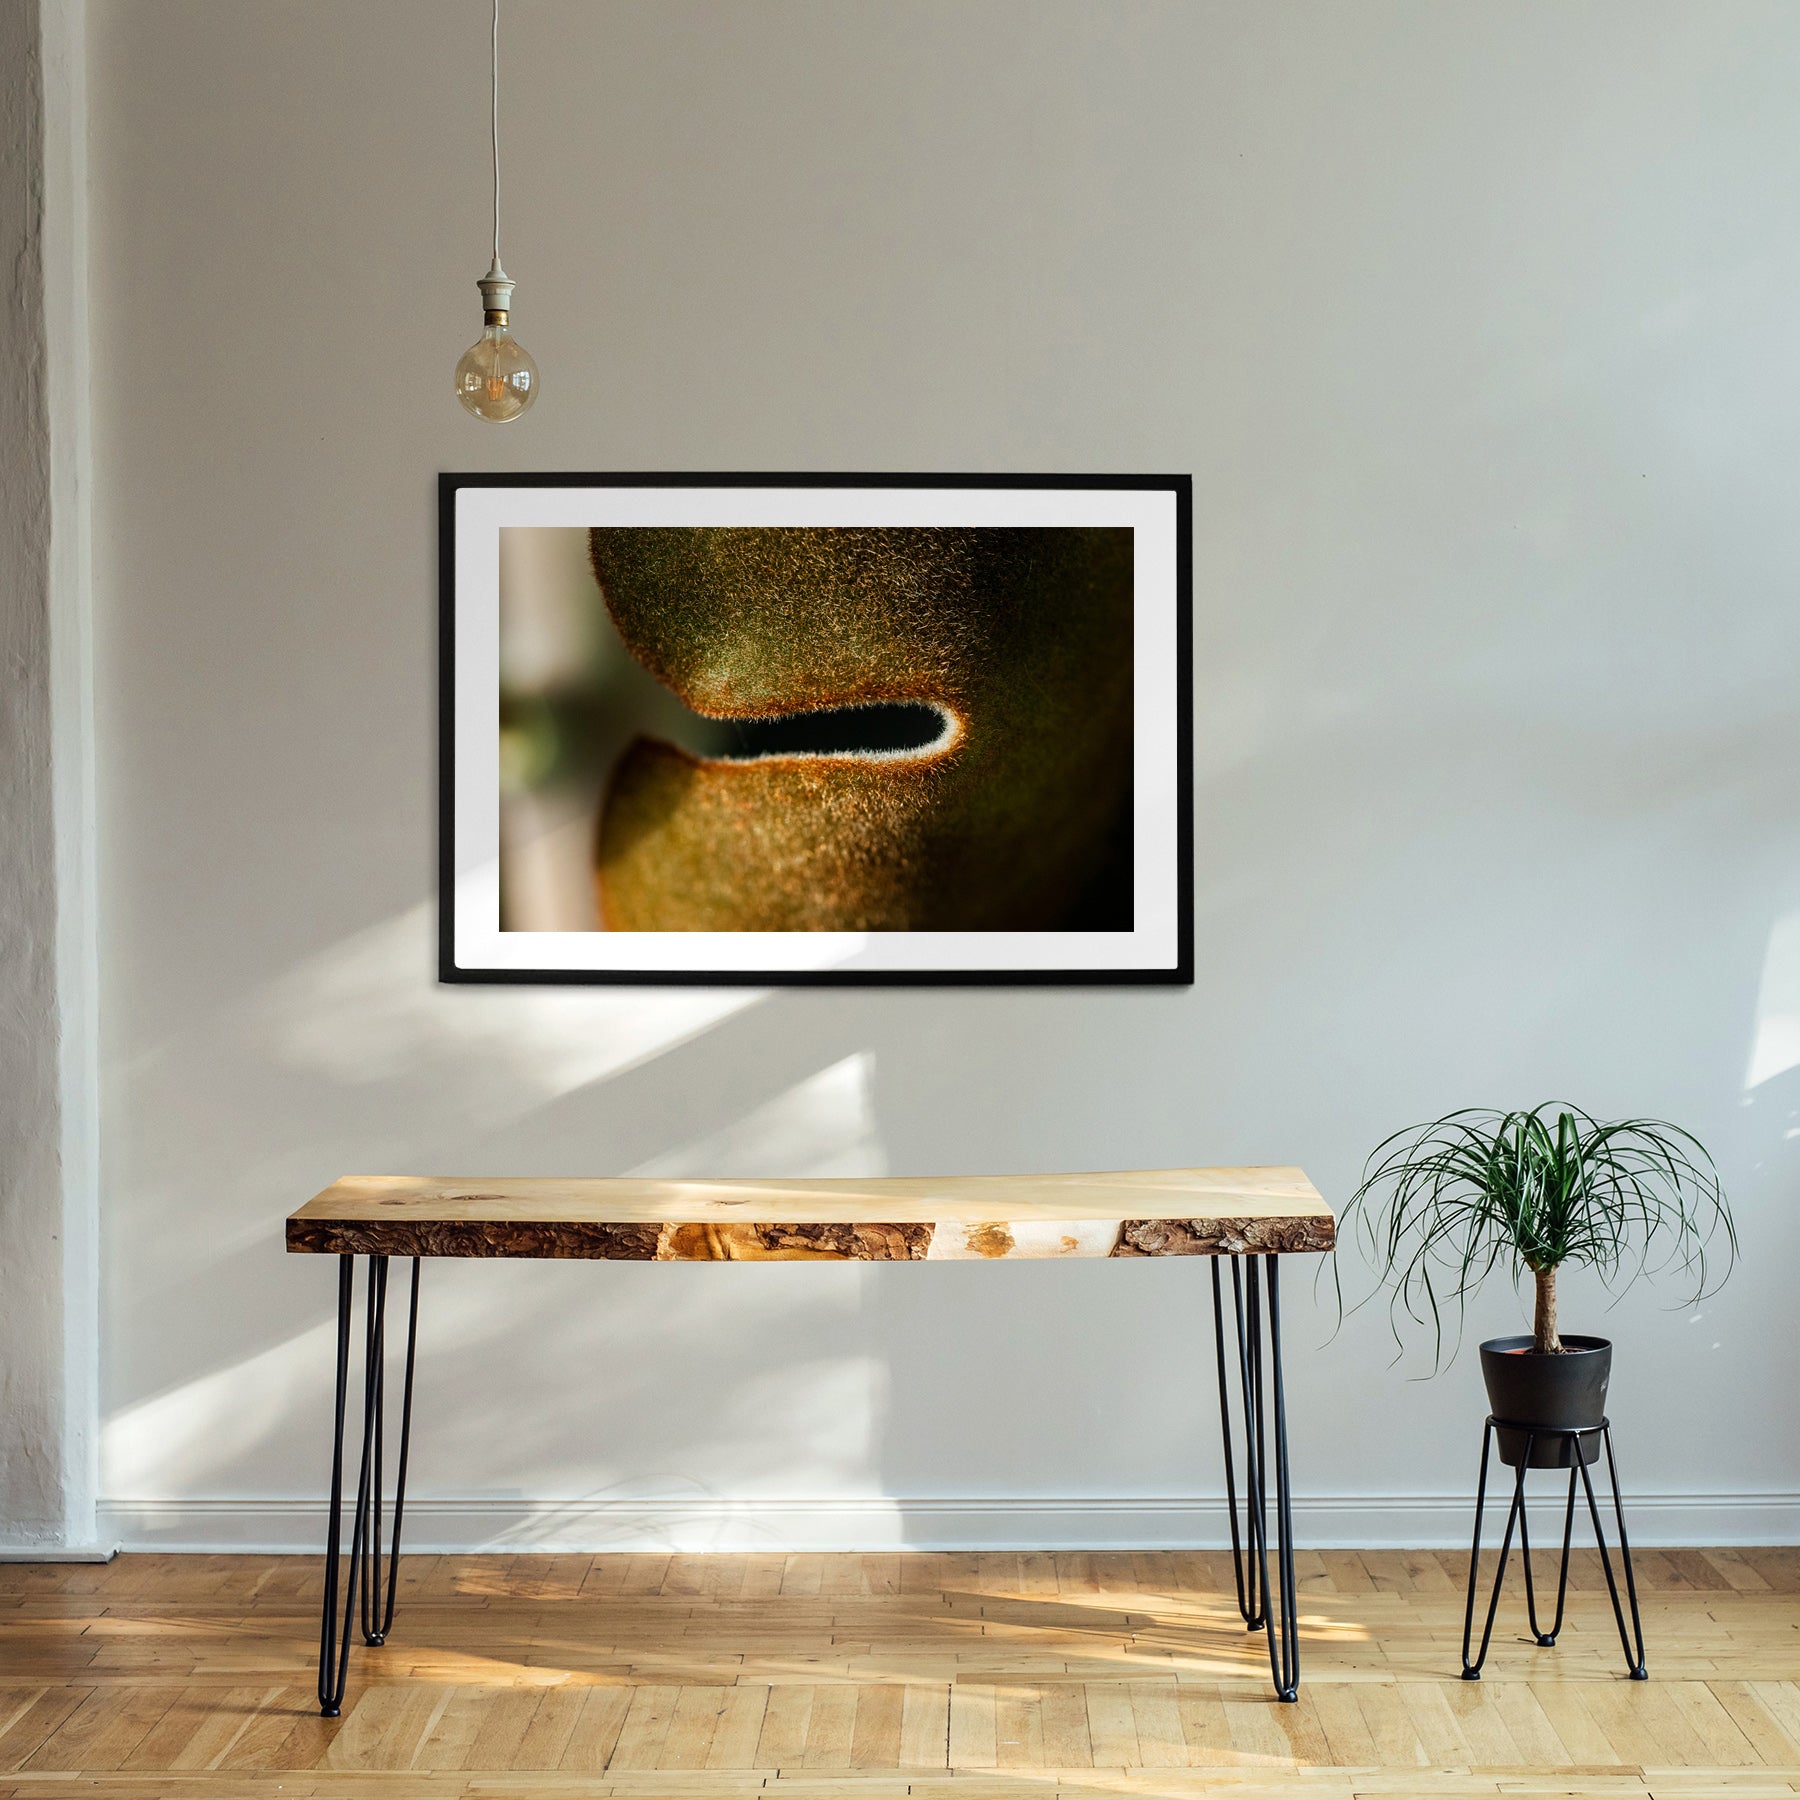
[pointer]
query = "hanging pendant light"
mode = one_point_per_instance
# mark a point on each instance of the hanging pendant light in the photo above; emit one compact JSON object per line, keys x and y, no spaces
{"x":496,"y":379}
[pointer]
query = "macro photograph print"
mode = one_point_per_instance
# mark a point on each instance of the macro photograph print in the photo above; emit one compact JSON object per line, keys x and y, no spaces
{"x":814,"y":730}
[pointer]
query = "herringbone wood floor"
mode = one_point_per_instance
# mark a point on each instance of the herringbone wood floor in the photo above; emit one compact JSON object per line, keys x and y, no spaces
{"x":944,"y":1677}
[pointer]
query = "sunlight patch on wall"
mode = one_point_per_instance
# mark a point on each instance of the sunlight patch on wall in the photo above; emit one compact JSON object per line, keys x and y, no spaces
{"x":1776,"y":1046}
{"x":178,"y":1442}
{"x":824,"y":1126}
{"x":366,"y":1012}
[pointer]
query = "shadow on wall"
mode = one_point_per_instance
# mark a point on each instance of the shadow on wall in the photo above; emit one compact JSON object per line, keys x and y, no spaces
{"x":1385,"y":961}
{"x":360,"y":1034}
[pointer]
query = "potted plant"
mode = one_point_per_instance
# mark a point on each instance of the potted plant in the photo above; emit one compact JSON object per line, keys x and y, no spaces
{"x":1442,"y":1206}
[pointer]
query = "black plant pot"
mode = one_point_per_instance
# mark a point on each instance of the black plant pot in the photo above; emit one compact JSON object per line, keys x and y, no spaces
{"x":1526,"y":1388}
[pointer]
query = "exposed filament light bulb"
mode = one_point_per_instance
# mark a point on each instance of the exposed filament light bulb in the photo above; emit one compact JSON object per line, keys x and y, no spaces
{"x":496,"y":379}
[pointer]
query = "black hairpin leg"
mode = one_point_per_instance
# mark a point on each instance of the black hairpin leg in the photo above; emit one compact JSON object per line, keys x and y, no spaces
{"x":1249,"y":1604}
{"x":1634,"y":1653}
{"x":1471,"y":1671}
{"x":1516,"y":1515}
{"x":1250,"y":1549}
{"x":1548,"y":1638}
{"x":366,"y":1569}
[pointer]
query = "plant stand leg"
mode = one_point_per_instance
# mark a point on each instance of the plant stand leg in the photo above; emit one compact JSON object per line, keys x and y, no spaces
{"x":1634,"y":1657}
{"x":1548,"y":1638}
{"x":1525,"y":1557}
{"x":1471,"y":1671}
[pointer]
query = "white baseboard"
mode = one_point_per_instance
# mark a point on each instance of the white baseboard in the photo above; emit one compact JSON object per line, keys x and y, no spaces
{"x":577,"y":1526}
{"x":58,"y":1553}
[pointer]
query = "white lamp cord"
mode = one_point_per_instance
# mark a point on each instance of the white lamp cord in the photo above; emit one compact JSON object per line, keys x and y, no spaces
{"x":494,"y":96}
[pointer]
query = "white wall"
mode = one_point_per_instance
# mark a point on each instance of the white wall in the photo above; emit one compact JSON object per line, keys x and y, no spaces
{"x":1476,"y":326}
{"x":30,"y":1325}
{"x":49,"y":1209}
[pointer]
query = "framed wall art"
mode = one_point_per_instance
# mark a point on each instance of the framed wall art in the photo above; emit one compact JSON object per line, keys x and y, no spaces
{"x":818,"y":729}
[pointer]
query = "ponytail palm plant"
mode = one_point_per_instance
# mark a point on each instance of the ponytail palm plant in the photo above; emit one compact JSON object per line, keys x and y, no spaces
{"x":1443,"y":1205}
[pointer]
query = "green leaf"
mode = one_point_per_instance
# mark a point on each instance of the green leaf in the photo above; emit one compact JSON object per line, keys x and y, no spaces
{"x":1443,"y":1205}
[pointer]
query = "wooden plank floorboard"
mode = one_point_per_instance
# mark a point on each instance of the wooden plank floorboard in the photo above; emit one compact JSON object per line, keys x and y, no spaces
{"x":927,"y":1677}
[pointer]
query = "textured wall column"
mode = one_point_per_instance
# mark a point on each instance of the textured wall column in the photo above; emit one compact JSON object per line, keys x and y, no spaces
{"x":48,"y":1223}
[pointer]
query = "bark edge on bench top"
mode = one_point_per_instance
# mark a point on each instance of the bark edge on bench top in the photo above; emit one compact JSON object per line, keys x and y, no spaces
{"x":1157,"y":1212}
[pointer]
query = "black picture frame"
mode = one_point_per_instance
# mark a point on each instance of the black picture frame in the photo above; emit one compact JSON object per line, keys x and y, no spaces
{"x":1179,"y":972}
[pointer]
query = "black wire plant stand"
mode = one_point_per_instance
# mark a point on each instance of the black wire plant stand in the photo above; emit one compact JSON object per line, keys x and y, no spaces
{"x":1576,"y":1446}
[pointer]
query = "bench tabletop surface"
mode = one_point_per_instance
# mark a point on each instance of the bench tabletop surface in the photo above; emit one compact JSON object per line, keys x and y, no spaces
{"x":1143,"y":1212}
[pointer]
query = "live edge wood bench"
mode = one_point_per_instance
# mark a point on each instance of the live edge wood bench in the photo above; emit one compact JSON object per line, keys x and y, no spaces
{"x":1246,"y":1218}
